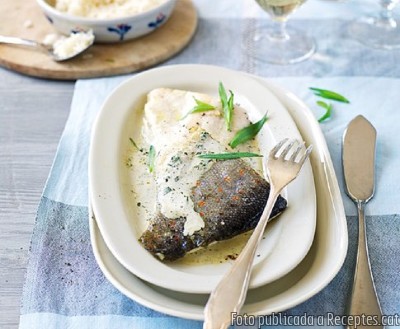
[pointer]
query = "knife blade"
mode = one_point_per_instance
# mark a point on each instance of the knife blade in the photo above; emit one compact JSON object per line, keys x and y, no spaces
{"x":359,"y":159}
{"x":358,"y":156}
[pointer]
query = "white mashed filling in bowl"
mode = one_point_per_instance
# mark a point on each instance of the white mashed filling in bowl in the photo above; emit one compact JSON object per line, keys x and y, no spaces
{"x":105,"y":8}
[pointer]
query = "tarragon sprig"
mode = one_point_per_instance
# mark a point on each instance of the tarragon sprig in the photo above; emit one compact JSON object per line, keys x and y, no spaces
{"x":328,"y":94}
{"x":228,"y":155}
{"x":328,"y":108}
{"x":199,"y":107}
{"x":247,"y":133}
{"x":227,"y":105}
{"x":151,"y":159}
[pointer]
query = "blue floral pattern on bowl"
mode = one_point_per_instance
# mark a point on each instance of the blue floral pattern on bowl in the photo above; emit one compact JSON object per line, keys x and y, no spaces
{"x":120,"y":29}
{"x":109,"y":30}
{"x":159,"y":20}
{"x":49,"y":19}
{"x":78,"y":29}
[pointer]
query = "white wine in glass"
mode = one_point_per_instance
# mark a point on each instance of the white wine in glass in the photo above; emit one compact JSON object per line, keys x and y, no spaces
{"x":280,"y":9}
{"x":277,"y":43}
{"x":382,"y":31}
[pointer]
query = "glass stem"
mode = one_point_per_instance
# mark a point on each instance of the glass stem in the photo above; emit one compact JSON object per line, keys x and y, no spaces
{"x":385,"y":18}
{"x":279,"y":33}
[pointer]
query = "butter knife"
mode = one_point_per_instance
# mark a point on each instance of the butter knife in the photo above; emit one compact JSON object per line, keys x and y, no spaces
{"x":358,"y":155}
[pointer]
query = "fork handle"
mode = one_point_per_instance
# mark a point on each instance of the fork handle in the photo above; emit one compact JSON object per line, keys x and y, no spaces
{"x":229,"y":295}
{"x":363,"y":297}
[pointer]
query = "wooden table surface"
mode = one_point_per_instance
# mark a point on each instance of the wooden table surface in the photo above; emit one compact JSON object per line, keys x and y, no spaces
{"x":33,"y":113}
{"x":32,"y":117}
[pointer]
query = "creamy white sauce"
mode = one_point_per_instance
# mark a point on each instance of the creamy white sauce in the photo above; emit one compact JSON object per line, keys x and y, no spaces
{"x":105,"y":8}
{"x":179,"y":169}
{"x":177,"y":143}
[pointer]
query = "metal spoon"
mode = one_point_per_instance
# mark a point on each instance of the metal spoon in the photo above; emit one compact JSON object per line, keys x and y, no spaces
{"x":48,"y":49}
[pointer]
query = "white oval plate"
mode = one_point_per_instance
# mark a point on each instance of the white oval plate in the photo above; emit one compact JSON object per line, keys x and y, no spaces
{"x":288,"y":239}
{"x":315,"y":271}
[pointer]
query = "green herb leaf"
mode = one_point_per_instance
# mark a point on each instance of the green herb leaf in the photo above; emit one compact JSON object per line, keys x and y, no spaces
{"x":227,"y":105}
{"x":328,"y":112}
{"x":227,"y":156}
{"x":152,"y":157}
{"x":200,"y":107}
{"x":247,"y":133}
{"x":328,"y":94}
{"x":133,"y":143}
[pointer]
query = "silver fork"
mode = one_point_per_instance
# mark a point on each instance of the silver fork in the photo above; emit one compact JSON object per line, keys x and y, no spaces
{"x":229,"y":295}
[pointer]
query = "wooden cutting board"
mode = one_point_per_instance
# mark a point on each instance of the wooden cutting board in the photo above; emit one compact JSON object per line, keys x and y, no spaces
{"x":101,"y":59}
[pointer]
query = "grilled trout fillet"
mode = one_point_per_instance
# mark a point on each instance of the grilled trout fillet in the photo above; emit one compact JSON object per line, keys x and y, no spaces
{"x":198,"y":201}
{"x":230,"y":197}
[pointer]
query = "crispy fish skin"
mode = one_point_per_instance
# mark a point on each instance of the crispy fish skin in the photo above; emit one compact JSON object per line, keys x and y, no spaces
{"x":230,"y":197}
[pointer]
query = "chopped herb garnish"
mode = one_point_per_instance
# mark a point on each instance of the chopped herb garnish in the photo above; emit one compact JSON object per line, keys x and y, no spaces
{"x":227,"y":105}
{"x":200,"y":107}
{"x":167,"y":190}
{"x":129,"y":162}
{"x":176,"y":158}
{"x":328,"y":112}
{"x":203,"y":135}
{"x":328,"y":94}
{"x":227,"y":156}
{"x":247,"y":133}
{"x":152,"y":157}
{"x":133,"y":143}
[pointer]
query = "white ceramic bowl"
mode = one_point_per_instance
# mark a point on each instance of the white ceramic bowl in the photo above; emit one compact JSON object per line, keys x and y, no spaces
{"x":113,"y":29}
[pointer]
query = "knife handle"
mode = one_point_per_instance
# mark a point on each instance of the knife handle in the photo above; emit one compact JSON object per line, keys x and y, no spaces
{"x":364,"y":300}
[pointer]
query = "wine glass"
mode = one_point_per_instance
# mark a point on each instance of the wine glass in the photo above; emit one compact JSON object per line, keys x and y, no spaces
{"x":276,"y":43}
{"x":382,"y":31}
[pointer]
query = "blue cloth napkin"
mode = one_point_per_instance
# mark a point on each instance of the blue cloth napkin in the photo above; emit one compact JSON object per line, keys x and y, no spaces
{"x":65,"y":288}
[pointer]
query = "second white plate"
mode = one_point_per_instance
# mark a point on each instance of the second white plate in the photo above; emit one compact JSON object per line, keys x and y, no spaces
{"x":287,"y":240}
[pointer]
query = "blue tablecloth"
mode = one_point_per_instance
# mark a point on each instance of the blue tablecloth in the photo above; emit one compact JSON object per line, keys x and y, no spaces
{"x":64,"y":286}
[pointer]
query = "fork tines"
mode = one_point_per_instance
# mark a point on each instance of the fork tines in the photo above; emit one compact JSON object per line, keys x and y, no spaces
{"x":288,"y":150}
